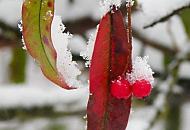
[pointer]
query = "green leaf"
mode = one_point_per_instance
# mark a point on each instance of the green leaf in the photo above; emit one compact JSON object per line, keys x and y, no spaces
{"x":37,"y":16}
{"x":185,"y":16}
{"x":18,"y":65}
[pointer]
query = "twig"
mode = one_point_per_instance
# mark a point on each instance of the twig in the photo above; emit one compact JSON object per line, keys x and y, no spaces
{"x":4,"y":42}
{"x":154,"y":44}
{"x":129,"y":27}
{"x":166,"y":17}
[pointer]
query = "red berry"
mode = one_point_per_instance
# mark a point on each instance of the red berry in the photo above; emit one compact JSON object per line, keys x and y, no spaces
{"x":141,"y":89}
{"x":121,"y":89}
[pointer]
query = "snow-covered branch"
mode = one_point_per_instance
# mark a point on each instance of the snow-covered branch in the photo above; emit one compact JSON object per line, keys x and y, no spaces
{"x":169,"y":15}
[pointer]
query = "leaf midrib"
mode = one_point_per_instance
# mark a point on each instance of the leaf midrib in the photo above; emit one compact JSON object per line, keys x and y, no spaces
{"x":40,"y":32}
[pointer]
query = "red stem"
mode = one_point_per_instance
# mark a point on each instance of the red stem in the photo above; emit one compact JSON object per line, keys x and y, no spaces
{"x":129,"y":27}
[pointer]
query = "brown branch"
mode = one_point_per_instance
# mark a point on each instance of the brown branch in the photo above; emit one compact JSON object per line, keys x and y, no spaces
{"x":166,"y":17}
{"x":6,"y":42}
{"x":152,"y":43}
{"x":129,"y":26}
{"x":14,"y":40}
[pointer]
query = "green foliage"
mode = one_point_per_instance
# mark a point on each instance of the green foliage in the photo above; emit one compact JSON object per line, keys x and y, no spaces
{"x":18,"y":65}
{"x":173,"y":113}
{"x":56,"y":127}
{"x":167,"y":60}
{"x":185,"y":16}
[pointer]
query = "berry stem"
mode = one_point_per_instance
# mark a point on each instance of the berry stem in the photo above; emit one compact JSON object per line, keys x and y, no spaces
{"x":129,"y":27}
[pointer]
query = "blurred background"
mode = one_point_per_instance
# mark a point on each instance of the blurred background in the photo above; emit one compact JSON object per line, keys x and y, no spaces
{"x":161,"y":30}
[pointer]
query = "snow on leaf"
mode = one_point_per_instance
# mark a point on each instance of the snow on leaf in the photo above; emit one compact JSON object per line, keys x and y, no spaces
{"x":129,"y":3}
{"x":141,"y":70}
{"x":21,"y":29}
{"x":37,"y":16}
{"x":67,"y":68}
{"x":106,"y":5}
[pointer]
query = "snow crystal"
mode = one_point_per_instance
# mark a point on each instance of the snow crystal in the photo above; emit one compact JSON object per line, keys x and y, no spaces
{"x":21,"y":29}
{"x":130,"y":2}
{"x":67,"y":68}
{"x":141,"y":70}
{"x":106,"y":5}
{"x":87,"y":54}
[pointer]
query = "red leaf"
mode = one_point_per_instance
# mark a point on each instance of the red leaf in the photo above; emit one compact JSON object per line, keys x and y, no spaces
{"x":111,"y":58}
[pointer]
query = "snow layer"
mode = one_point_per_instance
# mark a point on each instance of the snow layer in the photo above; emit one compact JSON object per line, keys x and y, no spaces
{"x":106,"y":5}
{"x":141,"y":70}
{"x":185,"y":125}
{"x":155,"y":9}
{"x":155,"y":59}
{"x":184,"y":70}
{"x":77,"y":44}
{"x":10,"y":11}
{"x":78,"y":9}
{"x":67,"y":68}
{"x":71,"y":123}
{"x":31,"y":95}
{"x":137,"y":120}
{"x":5,"y":57}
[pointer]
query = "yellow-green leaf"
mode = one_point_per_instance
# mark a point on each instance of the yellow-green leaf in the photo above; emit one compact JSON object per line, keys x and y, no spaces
{"x":37,"y":16}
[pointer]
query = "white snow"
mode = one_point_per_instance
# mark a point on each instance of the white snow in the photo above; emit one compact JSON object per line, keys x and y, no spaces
{"x":12,"y":9}
{"x":184,"y":70}
{"x":185,"y":116}
{"x":155,"y":58}
{"x":129,"y":3}
{"x":37,"y":91}
{"x":137,"y":120}
{"x":32,"y":95}
{"x":87,"y":53}
{"x":72,"y":11}
{"x":67,"y":68}
{"x":136,"y":50}
{"x":141,"y":70}
{"x":155,"y":9}
{"x":170,"y":34}
{"x":77,"y":44}
{"x":70,"y":123}
{"x":5,"y":57}
{"x":20,"y":26}
{"x":106,"y":5}
{"x":166,"y":34}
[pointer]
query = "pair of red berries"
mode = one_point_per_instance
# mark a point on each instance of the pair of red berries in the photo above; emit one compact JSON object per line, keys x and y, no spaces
{"x":122,"y":89}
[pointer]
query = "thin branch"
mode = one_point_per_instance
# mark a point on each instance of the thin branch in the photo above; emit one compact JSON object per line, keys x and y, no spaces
{"x":153,"y":43}
{"x":4,"y":42}
{"x":129,"y":27}
{"x":166,"y":17}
